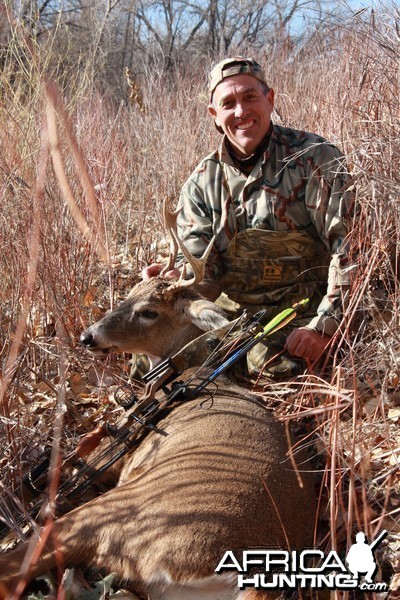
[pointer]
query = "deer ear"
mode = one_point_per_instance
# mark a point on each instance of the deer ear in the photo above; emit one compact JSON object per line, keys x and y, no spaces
{"x":206,"y":315}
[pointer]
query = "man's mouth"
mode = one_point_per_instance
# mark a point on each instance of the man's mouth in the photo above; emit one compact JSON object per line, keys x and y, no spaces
{"x":245,"y":125}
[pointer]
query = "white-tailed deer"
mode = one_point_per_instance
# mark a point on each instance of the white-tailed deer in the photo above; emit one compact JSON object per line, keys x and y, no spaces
{"x":219,"y":478}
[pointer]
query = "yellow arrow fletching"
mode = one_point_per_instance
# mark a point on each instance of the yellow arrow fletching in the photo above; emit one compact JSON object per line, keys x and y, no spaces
{"x":282,"y":319}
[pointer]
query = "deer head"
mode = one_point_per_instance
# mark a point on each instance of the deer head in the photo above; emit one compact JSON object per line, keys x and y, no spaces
{"x":159,"y":316}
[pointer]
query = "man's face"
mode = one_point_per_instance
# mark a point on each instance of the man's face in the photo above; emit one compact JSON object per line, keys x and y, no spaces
{"x":242,"y":109}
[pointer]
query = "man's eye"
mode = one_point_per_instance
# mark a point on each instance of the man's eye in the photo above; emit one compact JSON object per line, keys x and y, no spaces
{"x":148,"y":314}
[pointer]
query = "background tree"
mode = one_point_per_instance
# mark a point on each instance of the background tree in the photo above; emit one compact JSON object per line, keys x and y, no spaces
{"x":98,"y":41}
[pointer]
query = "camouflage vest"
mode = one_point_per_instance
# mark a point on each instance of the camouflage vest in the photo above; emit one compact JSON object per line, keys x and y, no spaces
{"x":275,"y":269}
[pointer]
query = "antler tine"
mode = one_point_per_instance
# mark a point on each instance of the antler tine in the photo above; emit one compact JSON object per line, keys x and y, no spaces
{"x":170,"y":221}
{"x":198,"y":265}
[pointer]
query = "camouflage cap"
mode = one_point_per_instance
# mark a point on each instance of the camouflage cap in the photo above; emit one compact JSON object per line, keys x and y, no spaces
{"x":237,"y":65}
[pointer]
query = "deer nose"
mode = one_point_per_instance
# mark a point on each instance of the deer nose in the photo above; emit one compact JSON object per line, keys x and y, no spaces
{"x":87,"y":339}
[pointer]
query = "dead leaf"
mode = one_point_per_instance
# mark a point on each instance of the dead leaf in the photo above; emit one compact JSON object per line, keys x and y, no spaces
{"x":77,"y":384}
{"x":394,"y":413}
{"x":90,"y":295}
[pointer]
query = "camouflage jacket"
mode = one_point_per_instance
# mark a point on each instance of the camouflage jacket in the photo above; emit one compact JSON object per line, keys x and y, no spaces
{"x":298,"y":184}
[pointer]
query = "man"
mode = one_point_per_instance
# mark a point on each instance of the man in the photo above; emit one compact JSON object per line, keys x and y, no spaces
{"x":275,"y":199}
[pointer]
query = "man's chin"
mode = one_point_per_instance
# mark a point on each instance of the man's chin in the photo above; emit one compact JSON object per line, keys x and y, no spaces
{"x":244,"y":148}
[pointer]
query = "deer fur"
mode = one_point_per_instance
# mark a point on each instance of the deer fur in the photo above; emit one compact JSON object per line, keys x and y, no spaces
{"x":218,"y":478}
{"x":153,"y":321}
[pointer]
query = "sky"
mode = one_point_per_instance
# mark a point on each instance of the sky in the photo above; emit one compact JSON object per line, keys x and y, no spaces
{"x":341,"y":7}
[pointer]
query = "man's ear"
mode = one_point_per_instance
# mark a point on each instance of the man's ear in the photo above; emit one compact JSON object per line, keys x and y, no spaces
{"x":211,"y":110}
{"x":213,"y":113}
{"x":206,"y":315}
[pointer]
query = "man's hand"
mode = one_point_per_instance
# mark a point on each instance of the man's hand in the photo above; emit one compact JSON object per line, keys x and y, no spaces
{"x":209,"y":289}
{"x":306,"y":343}
{"x":155,"y":269}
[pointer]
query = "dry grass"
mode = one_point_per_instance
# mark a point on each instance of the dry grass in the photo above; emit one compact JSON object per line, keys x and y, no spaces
{"x":81,"y":214}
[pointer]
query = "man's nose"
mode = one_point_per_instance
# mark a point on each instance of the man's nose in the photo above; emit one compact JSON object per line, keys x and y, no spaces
{"x":240,"y":109}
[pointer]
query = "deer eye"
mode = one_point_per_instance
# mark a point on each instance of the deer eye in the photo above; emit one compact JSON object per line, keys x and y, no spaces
{"x":148,"y":314}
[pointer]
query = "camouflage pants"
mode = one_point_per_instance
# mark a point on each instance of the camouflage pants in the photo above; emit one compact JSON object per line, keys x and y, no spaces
{"x":270,"y":360}
{"x":269,"y":357}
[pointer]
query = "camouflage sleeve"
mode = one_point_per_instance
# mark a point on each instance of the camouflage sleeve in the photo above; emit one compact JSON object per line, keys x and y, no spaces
{"x":195,"y":226}
{"x":330,"y":204}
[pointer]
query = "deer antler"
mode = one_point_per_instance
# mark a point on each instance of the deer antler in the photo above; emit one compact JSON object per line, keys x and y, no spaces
{"x":198,"y":265}
{"x":170,"y":221}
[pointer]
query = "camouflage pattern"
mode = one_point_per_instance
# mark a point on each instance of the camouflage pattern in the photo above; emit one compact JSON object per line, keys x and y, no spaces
{"x":274,"y":268}
{"x":270,"y":359}
{"x":297,"y":269}
{"x":295,"y":204}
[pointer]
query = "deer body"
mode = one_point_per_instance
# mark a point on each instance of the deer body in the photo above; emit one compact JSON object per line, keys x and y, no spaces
{"x":218,"y":478}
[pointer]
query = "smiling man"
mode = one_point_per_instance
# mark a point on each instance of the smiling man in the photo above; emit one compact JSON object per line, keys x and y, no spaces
{"x":276,"y":200}
{"x":242,"y":106}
